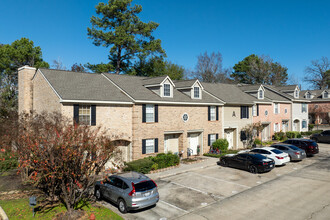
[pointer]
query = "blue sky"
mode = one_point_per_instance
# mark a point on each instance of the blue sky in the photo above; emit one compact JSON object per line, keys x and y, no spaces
{"x":290,"y":32}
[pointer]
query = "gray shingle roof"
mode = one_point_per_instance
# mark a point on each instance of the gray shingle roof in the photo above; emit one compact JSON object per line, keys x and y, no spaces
{"x":269,"y":94}
{"x":247,"y":88}
{"x":184,"y":83}
{"x":153,"y":80}
{"x":83,"y":86}
{"x":286,"y":88}
{"x":229,"y":93}
{"x":316,"y":93}
{"x":134,"y":87}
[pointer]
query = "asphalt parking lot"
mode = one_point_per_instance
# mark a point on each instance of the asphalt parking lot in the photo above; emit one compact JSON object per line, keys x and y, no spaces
{"x":204,"y":191}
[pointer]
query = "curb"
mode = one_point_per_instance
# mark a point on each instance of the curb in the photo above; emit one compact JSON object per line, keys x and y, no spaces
{"x":3,"y":214}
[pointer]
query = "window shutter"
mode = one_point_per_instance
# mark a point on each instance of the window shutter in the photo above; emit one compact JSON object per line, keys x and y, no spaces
{"x":209,"y":113}
{"x":209,"y":140}
{"x":217,"y":113}
{"x":156,"y":113}
{"x":247,"y":111}
{"x":76,"y":113}
{"x":156,"y":145}
{"x":143,"y":113}
{"x":143,"y":146}
{"x":93,"y":115}
{"x":216,"y":136}
{"x":242,"y":112}
{"x":257,"y":109}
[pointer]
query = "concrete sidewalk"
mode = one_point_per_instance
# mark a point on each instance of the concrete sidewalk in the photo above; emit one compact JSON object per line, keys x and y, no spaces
{"x":208,"y":161}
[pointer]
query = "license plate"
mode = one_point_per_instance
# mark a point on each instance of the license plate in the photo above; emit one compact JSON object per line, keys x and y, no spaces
{"x":147,"y":194}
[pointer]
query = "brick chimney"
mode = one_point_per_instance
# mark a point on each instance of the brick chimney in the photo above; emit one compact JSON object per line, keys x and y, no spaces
{"x":25,"y":89}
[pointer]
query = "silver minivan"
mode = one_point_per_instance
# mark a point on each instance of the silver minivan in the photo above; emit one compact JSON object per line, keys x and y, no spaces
{"x":131,"y":190}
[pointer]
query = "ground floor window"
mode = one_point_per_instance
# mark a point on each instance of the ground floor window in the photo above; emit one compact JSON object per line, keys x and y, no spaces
{"x":276,"y":127}
{"x":304,"y":124}
{"x":149,"y":146}
{"x":213,"y":138}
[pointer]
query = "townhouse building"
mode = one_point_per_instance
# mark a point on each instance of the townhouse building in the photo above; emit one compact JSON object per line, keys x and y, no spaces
{"x":237,"y":111}
{"x":154,"y":115}
{"x":272,"y":110}
{"x":318,"y":106}
{"x":299,"y":115}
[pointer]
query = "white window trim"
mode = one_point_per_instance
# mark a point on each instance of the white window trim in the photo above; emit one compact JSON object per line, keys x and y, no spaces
{"x":296,"y":93}
{"x":163,"y":88}
{"x":263,"y":94}
{"x":278,"y":108}
{"x":199,"y":92}
{"x":254,"y":110}
{"x":90,"y":113}
{"x":148,"y":106}
{"x":302,"y":124}
{"x":323,"y":95}
{"x":215,"y":113}
{"x":153,"y":141}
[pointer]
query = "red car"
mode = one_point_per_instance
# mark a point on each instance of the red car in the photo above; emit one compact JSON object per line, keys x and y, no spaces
{"x":310,"y":146}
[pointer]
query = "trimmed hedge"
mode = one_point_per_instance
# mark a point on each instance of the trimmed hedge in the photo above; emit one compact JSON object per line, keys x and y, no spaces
{"x":293,"y":134}
{"x":308,"y":133}
{"x":219,"y":155}
{"x":147,"y":164}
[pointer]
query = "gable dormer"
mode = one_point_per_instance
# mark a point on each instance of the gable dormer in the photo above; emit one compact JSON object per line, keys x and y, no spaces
{"x":296,"y":92}
{"x":261,"y":92}
{"x":192,"y":88}
{"x":162,"y":86}
{"x":308,"y":95}
{"x":325,"y":94}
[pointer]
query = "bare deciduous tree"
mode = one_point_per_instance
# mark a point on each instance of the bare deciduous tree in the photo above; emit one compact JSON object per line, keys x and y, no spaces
{"x":57,"y":64}
{"x":318,"y":73}
{"x":209,"y":68}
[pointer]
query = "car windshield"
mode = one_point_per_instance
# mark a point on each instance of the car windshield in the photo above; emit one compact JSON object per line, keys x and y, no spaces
{"x":293,"y":147}
{"x":276,"y":151}
{"x":258,"y":156}
{"x":145,"y":185}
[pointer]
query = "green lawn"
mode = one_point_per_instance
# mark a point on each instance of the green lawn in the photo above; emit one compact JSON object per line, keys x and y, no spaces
{"x":20,"y":209}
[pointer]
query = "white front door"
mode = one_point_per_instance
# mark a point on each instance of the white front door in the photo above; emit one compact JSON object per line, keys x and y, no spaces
{"x":230,"y":138}
{"x":296,"y":125}
{"x":193,"y":142}
{"x":265,"y":133}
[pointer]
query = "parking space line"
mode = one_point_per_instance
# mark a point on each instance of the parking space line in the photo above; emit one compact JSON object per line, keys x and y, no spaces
{"x":179,"y":184}
{"x":210,"y":177}
{"x":173,"y":206}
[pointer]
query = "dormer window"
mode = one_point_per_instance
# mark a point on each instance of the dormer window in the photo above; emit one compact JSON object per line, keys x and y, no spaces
{"x":296,"y":93}
{"x":325,"y":95}
{"x":167,"y":90}
{"x":308,"y":95}
{"x":261,"y":94}
{"x":196,"y":93}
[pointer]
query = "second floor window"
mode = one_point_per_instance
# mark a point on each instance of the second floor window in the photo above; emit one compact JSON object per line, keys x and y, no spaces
{"x":304,"y":107}
{"x":167,"y":90}
{"x":196,"y":92}
{"x":276,"y":110}
{"x":326,"y":94}
{"x":244,"y":112}
{"x":213,"y":114}
{"x":150,"y":117}
{"x":85,"y":114}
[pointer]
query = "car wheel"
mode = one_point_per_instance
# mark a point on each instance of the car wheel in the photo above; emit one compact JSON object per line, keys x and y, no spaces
{"x":253,"y":169}
{"x":122,"y":206}
{"x":223,"y":163}
{"x":98,"y":194}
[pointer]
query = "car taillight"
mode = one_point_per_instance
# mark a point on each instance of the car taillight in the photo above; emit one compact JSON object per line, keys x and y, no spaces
{"x":264,"y":163}
{"x":132,"y":193}
{"x":279,"y":157}
{"x":296,"y":153}
{"x":310,"y":147}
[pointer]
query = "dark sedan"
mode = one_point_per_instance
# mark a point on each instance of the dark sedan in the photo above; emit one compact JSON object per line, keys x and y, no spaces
{"x":310,"y":146}
{"x":322,"y":137}
{"x":254,"y":163}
